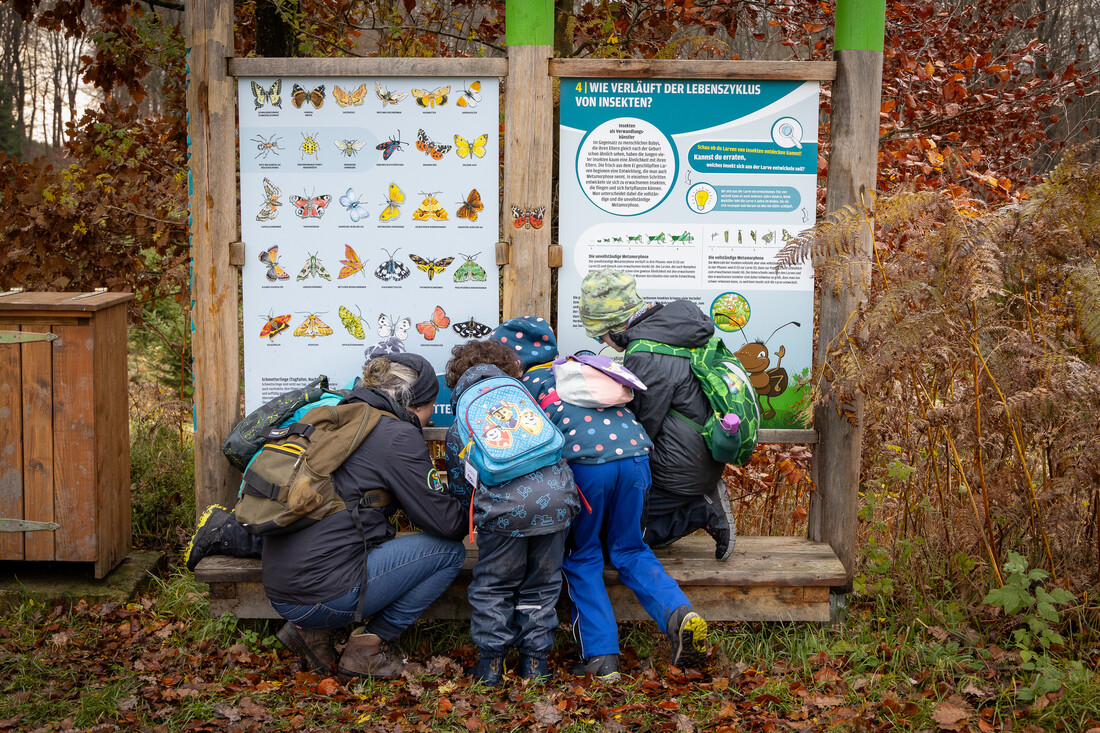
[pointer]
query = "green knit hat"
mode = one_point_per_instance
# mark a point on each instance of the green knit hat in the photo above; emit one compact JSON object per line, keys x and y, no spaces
{"x":608,"y":299}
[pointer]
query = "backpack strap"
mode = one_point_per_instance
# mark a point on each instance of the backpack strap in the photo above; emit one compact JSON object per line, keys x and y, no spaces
{"x":648,"y":346}
{"x":298,"y":428}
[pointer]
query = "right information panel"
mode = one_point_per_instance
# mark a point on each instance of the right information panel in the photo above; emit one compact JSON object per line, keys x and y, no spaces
{"x":692,"y":187}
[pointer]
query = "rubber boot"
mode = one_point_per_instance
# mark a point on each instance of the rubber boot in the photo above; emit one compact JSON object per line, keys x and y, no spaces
{"x":366,"y":655}
{"x":489,"y":670}
{"x":533,"y":668}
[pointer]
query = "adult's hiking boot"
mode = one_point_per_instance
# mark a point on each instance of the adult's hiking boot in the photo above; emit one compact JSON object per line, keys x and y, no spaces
{"x":720,"y":521}
{"x":314,"y":646}
{"x":219,"y":533}
{"x":604,"y":667}
{"x":489,"y":670}
{"x":366,"y":655}
{"x":687,"y":631}
{"x":535,"y":669}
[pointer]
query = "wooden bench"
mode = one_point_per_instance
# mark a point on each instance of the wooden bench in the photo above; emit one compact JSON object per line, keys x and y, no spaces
{"x":766,"y":579}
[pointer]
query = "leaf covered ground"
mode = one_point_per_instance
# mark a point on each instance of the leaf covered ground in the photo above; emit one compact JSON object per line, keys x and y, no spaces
{"x":161,"y":664}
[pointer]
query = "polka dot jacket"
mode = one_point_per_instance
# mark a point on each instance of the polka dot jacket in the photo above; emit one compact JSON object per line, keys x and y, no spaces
{"x":592,"y":435}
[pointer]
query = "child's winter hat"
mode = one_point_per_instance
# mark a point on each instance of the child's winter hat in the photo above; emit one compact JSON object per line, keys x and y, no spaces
{"x":608,"y":299}
{"x":531,"y":338}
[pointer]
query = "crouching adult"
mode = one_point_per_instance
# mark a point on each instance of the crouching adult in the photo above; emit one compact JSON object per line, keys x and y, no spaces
{"x":334,"y":573}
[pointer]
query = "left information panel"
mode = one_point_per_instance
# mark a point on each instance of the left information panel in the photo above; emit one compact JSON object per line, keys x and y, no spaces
{"x":369,"y":211}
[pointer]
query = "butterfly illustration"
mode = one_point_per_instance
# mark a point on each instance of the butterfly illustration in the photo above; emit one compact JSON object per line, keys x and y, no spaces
{"x":310,"y":207}
{"x":315,"y":96}
{"x":351,"y":265}
{"x":313,"y":268}
{"x":271,"y":200}
{"x":425,"y":145}
{"x":431,"y":99}
{"x":354,"y":204}
{"x":270,"y":257}
{"x":352,"y":99}
{"x":469,"y":270}
{"x":349,"y":148}
{"x":439,"y":321}
{"x":432,"y":267}
{"x":391,"y":146}
{"x":391,"y":269}
{"x":387,"y":96}
{"x":388,"y":327}
{"x":469,"y":96}
{"x":529,"y":218}
{"x":430,"y":208}
{"x":352,"y":322}
{"x":313,"y":327}
{"x":464,"y":148}
{"x":394,"y":199}
{"x":269,"y":96}
{"x":275,"y":325}
{"x":471,"y":329}
{"x":470,"y":207}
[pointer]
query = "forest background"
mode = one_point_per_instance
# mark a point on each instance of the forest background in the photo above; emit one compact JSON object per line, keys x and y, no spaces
{"x":977,"y":347}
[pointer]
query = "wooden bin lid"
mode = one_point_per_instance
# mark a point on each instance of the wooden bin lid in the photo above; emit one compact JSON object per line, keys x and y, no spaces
{"x":61,"y":302}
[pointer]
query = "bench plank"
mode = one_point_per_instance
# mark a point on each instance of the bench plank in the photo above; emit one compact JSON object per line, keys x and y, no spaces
{"x":766,"y":579}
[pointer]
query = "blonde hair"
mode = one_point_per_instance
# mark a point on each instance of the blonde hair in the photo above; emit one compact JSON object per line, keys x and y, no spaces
{"x":396,"y":380}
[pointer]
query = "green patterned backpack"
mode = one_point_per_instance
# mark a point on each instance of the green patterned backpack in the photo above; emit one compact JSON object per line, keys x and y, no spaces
{"x":730,"y":431}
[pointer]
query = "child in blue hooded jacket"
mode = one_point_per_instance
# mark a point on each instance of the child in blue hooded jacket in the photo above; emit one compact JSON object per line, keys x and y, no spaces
{"x":607,"y":448}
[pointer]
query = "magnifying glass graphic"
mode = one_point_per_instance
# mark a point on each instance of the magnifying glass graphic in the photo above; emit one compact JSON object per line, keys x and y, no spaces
{"x":787,"y":133}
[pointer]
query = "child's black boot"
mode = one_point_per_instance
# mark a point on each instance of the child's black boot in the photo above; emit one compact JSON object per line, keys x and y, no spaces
{"x":604,"y":667}
{"x":533,"y":668}
{"x":489,"y":670}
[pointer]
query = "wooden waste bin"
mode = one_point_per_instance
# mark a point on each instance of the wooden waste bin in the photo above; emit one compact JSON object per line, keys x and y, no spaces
{"x":64,"y":428}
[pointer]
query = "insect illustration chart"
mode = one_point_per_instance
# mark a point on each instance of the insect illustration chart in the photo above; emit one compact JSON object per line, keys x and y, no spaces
{"x":369,"y":211}
{"x":692,"y":187}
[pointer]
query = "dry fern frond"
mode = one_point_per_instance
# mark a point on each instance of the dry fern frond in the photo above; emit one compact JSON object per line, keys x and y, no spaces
{"x":835,"y":236}
{"x":892,"y":212}
{"x":1084,"y":285}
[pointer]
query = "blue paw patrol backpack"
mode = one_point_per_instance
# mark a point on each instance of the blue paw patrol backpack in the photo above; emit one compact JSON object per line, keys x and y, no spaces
{"x":504,"y":432}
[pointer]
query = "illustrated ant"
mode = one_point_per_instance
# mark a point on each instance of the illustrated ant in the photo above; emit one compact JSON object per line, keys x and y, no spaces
{"x":767,"y":382}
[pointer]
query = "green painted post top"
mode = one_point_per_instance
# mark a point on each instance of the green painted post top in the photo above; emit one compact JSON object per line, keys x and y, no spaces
{"x":529,"y":22}
{"x":860,"y":25}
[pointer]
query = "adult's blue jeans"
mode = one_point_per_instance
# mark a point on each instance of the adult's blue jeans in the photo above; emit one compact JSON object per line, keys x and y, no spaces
{"x":616,"y":492}
{"x":514,"y":593}
{"x":404,"y":577}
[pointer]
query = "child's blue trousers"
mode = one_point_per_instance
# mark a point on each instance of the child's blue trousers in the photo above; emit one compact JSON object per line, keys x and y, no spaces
{"x":616,"y":492}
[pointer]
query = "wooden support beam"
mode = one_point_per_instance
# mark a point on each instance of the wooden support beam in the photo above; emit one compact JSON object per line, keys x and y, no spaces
{"x":694,"y":69}
{"x":853,"y":163}
{"x":211,"y":134}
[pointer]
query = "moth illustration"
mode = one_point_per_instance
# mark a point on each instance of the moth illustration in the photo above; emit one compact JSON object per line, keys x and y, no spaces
{"x":351,"y":264}
{"x":352,"y":322}
{"x":307,"y":207}
{"x":348,"y":148}
{"x":271,"y":200}
{"x":391,"y":269}
{"x":469,"y":270}
{"x":270,"y":257}
{"x":470,"y":95}
{"x":270,"y":96}
{"x":391,"y":146}
{"x":527,"y":218}
{"x":471,"y":329}
{"x":387,"y":326}
{"x":432,"y":267}
{"x":354,"y":205}
{"x":430,"y":209}
{"x":387,"y":96}
{"x":313,"y":268}
{"x":300,"y":97}
{"x":439,"y":321}
{"x":275,"y":325}
{"x":469,"y":208}
{"x":426,"y":99}
{"x":394,"y":198}
{"x":312,"y":327}
{"x":429,"y":147}
{"x":465,"y":149}
{"x":350,"y":99}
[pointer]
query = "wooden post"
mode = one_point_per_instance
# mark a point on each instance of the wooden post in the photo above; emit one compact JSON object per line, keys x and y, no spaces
{"x":853,"y":165}
{"x":211,"y":107}
{"x":528,"y":153}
